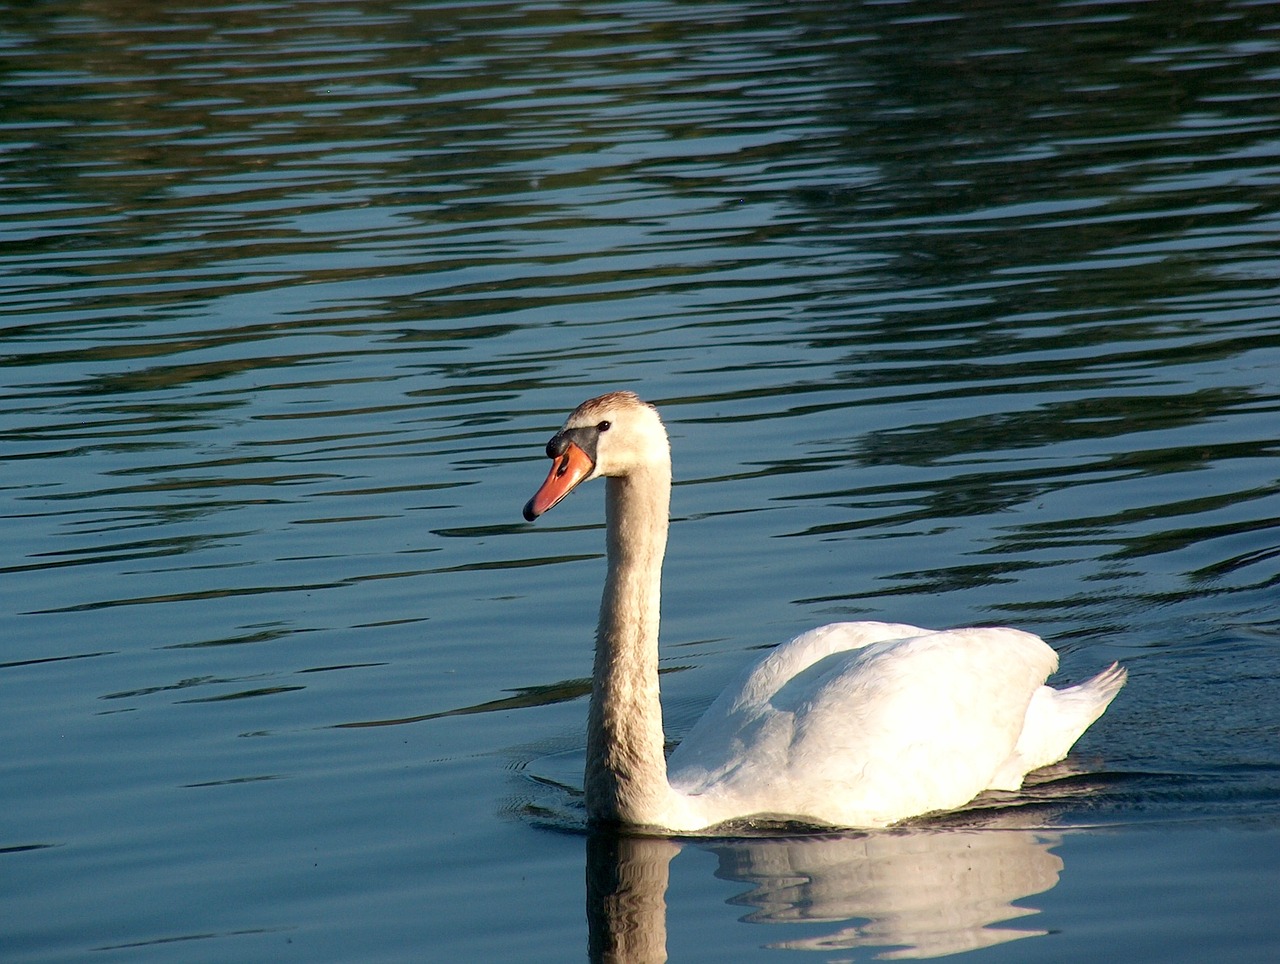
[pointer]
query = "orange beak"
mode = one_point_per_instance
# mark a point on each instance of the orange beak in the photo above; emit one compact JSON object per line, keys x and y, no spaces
{"x":567,"y":470}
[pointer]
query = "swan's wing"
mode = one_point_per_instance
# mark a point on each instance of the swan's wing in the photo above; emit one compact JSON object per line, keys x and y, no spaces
{"x":867,"y":735}
{"x":729,"y":721}
{"x":782,"y":665}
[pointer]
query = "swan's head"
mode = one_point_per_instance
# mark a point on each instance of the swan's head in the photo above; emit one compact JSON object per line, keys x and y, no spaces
{"x":613,"y":435}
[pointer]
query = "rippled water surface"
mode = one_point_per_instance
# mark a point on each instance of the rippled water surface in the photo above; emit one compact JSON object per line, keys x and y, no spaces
{"x":956,"y":313}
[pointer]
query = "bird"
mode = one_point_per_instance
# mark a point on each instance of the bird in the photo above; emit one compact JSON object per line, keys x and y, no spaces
{"x":851,"y":725}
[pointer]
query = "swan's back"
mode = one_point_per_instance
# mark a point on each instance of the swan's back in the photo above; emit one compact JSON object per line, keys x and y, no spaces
{"x":864,"y":724}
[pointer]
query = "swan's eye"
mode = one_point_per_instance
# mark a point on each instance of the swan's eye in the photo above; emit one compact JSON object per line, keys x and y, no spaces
{"x":603,"y":426}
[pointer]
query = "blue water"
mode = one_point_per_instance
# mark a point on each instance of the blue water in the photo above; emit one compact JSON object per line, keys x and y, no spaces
{"x":955,"y":315}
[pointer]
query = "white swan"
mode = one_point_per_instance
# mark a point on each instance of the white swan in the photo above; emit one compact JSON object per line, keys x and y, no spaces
{"x":855,"y":724}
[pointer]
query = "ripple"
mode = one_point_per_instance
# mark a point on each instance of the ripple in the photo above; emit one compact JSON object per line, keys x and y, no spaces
{"x":955,"y":316}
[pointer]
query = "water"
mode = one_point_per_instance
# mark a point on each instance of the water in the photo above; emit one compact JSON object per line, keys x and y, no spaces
{"x":956,"y":316}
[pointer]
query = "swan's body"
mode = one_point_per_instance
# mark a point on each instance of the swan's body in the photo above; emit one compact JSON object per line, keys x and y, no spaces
{"x":848,"y":725}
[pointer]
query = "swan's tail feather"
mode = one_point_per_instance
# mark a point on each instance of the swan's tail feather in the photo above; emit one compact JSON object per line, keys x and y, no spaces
{"x":1055,"y":720}
{"x":1102,"y":688}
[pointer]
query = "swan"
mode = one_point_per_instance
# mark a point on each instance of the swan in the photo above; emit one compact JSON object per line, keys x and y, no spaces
{"x":850,"y":725}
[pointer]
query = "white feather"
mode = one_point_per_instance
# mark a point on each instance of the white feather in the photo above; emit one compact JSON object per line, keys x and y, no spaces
{"x":857,"y":724}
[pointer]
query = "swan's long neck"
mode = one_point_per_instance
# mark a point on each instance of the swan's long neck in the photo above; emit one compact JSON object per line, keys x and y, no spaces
{"x":626,"y":775}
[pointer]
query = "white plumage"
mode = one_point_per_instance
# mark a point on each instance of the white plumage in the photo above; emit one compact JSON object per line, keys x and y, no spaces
{"x":858,"y":724}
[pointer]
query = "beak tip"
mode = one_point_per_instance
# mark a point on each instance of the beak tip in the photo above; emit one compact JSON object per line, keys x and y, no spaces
{"x":530,"y":513}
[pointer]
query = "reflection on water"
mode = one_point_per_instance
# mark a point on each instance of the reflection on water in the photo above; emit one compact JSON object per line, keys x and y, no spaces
{"x":925,"y":893}
{"x":626,"y":897}
{"x":933,"y":892}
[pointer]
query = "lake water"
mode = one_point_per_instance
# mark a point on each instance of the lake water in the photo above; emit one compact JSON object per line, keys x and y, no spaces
{"x":957,"y":314}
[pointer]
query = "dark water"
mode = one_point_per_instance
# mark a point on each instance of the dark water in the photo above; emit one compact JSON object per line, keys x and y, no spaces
{"x":957,"y":314}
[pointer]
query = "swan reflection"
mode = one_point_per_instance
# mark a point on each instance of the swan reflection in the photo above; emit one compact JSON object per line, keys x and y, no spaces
{"x":913,"y":893}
